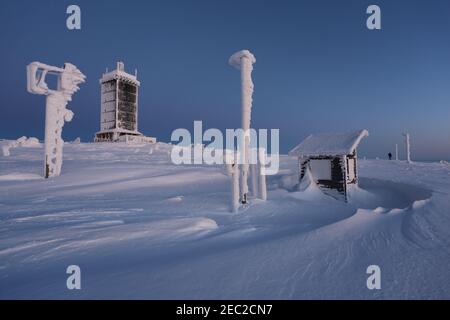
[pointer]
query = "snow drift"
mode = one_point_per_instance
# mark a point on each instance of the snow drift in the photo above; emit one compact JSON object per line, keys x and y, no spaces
{"x":124,"y":212}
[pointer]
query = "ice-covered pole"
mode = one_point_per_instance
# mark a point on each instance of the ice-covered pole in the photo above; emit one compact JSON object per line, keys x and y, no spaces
{"x":254,"y":178}
{"x":408,"y":147}
{"x":56,"y":113}
{"x":234,"y":187}
{"x":396,"y":151}
{"x":262,"y":174}
{"x":233,"y":171}
{"x":254,"y":171}
{"x":5,"y":150}
{"x":244,"y":60}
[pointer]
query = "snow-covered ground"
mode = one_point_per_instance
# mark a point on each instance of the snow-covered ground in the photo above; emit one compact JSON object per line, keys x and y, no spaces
{"x":140,"y":227}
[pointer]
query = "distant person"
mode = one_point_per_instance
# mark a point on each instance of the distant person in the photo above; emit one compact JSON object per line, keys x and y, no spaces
{"x":390,"y":156}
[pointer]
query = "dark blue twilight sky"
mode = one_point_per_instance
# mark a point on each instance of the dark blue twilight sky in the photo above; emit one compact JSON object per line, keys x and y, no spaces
{"x":318,"y":67}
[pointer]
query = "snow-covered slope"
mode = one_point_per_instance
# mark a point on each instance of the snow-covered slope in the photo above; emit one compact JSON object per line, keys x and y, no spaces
{"x":140,"y":227}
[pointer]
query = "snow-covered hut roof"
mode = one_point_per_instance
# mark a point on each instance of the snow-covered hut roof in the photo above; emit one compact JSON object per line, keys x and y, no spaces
{"x":329,"y":144}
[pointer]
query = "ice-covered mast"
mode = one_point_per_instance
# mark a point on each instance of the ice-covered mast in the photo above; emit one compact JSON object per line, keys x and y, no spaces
{"x":408,"y":147}
{"x":243,"y":61}
{"x":233,"y":171}
{"x":56,"y":113}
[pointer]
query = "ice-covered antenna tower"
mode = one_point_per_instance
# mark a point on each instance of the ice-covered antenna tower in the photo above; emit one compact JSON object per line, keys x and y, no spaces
{"x":243,"y":61}
{"x":408,"y":147}
{"x":56,"y":113}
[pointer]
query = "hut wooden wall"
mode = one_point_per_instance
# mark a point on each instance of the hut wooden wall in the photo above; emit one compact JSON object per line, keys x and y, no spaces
{"x":338,"y":173}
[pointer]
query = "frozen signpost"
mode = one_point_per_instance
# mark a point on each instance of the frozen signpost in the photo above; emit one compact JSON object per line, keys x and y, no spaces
{"x":56,"y":113}
{"x":243,"y":61}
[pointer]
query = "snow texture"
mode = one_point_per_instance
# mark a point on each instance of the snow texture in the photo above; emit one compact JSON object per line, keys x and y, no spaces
{"x":332,"y":144}
{"x":140,"y":227}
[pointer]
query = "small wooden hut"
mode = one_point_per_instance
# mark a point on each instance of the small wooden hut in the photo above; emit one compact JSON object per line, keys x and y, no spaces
{"x":332,"y":160}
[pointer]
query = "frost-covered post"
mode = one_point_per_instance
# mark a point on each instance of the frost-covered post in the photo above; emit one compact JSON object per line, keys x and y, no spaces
{"x":56,"y":113}
{"x":243,"y":61}
{"x":254,"y":171}
{"x":233,"y":171}
{"x":5,"y":150}
{"x":10,"y":145}
{"x":235,"y":187}
{"x":396,"y":151}
{"x":254,"y":178}
{"x":408,"y":147}
{"x":262,"y":174}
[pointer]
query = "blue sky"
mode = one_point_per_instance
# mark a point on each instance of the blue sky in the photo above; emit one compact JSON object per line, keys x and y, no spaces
{"x":318,"y":69}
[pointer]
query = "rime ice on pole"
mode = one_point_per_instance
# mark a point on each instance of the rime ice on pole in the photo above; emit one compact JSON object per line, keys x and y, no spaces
{"x":243,"y":61}
{"x":56,"y":113}
{"x":232,"y":168}
{"x":408,"y":147}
